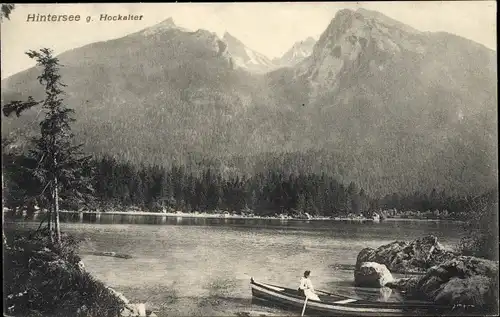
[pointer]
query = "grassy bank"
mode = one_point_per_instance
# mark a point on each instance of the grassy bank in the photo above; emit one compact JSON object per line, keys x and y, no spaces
{"x":45,"y":279}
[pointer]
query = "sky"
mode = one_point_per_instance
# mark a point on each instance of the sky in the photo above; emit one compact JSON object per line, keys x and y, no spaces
{"x":269,"y":28}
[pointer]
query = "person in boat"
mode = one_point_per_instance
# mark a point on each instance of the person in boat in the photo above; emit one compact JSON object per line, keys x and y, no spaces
{"x":306,"y":287}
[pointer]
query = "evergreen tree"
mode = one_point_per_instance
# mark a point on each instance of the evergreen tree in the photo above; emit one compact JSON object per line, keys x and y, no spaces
{"x":167,"y":192}
{"x":6,"y":10}
{"x":60,"y":166}
{"x":301,"y":203}
{"x":343,"y":200}
{"x":364,"y":202}
{"x":433,"y":200}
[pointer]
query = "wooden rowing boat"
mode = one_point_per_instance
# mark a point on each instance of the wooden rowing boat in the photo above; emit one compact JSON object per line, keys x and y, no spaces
{"x":334,"y":304}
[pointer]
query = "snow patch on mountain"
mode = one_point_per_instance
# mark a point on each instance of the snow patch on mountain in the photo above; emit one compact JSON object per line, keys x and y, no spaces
{"x":247,"y":58}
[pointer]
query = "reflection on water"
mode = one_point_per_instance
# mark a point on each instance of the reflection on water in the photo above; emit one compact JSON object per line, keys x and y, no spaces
{"x":195,"y":266}
{"x":384,"y":294}
{"x":395,"y":227}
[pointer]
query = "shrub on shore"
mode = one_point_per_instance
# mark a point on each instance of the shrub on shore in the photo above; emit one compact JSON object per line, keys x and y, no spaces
{"x":481,"y":227}
{"x":43,"y":279}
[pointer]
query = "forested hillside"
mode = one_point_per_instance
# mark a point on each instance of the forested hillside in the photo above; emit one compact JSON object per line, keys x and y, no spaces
{"x":377,"y":103}
{"x":270,"y":192}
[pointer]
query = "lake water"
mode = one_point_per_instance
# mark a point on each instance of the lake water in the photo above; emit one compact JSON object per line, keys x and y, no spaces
{"x":201,"y":267}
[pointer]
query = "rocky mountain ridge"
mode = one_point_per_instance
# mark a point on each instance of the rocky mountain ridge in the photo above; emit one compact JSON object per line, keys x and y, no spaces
{"x":399,"y":108}
{"x":298,"y":52}
{"x":247,"y":58}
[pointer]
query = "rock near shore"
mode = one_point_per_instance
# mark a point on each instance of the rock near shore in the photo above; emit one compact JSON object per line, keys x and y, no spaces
{"x":132,"y":310}
{"x":119,"y":295}
{"x":464,"y":281}
{"x":371,"y":274}
{"x":407,"y":257}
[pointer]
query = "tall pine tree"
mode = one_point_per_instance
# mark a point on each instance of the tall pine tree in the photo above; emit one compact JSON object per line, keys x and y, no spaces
{"x":61,"y":166}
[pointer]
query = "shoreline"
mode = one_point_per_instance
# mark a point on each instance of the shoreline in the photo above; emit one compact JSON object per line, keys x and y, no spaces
{"x":232,"y":216}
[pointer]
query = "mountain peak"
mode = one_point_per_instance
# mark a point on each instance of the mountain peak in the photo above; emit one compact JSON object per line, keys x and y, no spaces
{"x":385,"y":19}
{"x":167,"y":23}
{"x":310,"y":41}
{"x":162,"y":26}
{"x":245,"y":57}
{"x":356,"y":37}
{"x":231,"y":39}
{"x":365,"y":15}
{"x":343,"y":12}
{"x":298,"y":52}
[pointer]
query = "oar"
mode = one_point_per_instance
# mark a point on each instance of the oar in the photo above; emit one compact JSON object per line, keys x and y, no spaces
{"x":318,"y":290}
{"x":331,"y":294}
{"x":304,"y":308}
{"x":338,"y":295}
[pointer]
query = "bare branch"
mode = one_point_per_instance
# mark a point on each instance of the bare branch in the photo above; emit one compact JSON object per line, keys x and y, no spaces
{"x":19,"y":106}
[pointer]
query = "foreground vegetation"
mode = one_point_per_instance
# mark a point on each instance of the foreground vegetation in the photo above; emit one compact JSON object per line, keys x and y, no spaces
{"x":42,"y":278}
{"x":481,"y":227}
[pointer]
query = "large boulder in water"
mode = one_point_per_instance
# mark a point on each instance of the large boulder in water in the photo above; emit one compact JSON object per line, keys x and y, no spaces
{"x":371,"y":274}
{"x":462,"y":281}
{"x":407,"y":257}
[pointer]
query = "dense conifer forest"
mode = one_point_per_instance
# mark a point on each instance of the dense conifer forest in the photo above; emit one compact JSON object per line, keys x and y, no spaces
{"x":120,"y":185}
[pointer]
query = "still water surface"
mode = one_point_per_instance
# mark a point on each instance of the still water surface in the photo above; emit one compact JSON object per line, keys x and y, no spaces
{"x":200,"y":267}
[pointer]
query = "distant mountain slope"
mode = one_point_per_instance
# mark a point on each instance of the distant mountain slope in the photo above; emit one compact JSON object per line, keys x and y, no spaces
{"x":160,"y":90}
{"x":247,"y":58}
{"x":404,"y":96}
{"x":297,"y":53}
{"x":385,"y":105}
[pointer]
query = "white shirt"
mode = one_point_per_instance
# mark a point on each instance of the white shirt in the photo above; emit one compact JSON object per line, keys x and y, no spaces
{"x":305,"y":283}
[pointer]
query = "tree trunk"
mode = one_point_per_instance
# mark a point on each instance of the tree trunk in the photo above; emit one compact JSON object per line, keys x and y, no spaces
{"x":56,"y":212}
{"x":49,"y":218}
{"x":3,"y":195}
{"x":3,"y":192}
